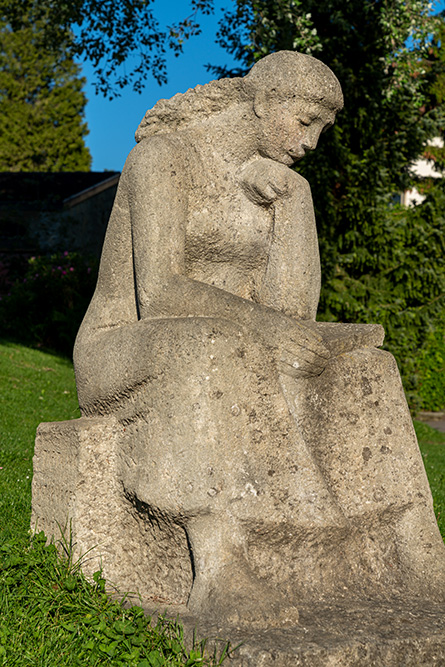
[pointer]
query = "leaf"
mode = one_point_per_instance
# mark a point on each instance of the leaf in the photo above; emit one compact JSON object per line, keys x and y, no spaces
{"x":70,"y":627}
{"x":70,"y":584}
{"x":155,"y":659}
{"x":124,"y":627}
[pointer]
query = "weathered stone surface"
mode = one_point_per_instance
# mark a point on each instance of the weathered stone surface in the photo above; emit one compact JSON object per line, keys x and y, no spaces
{"x":77,"y":488}
{"x":339,"y":633}
{"x":251,"y":468}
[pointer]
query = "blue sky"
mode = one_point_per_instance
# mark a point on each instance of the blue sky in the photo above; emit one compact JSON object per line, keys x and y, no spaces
{"x":112,"y":124}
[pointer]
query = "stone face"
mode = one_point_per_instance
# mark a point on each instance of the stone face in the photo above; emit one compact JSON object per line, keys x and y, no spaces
{"x":236,"y":460}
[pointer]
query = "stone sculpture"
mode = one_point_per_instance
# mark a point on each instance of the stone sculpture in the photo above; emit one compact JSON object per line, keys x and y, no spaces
{"x":234,"y":456}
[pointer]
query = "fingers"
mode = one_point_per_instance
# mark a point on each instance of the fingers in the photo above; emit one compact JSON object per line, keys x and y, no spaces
{"x":296,"y":373}
{"x":301,"y":363}
{"x":264,"y":181}
{"x":311,"y":344}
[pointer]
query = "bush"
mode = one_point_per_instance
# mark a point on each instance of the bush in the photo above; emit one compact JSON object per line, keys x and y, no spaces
{"x":12,"y":267}
{"x":46,"y":306}
{"x":431,"y":363}
{"x":394,"y":274}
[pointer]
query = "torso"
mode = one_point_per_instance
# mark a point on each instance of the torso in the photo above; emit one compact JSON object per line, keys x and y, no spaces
{"x":227,"y":236}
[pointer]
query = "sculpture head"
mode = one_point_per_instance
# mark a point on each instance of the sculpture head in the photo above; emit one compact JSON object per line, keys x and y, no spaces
{"x":294,"y":97}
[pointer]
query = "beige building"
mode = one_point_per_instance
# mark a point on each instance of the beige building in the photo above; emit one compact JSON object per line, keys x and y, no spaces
{"x":424,"y":169}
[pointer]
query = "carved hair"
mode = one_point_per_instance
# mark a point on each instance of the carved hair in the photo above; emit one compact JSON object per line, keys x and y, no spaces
{"x":280,"y":75}
{"x":195,"y":103}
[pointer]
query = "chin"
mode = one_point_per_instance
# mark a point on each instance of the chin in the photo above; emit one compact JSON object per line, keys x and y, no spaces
{"x":287,"y":159}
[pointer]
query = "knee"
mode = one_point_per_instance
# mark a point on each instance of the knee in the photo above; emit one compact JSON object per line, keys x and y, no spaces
{"x":363,"y":374}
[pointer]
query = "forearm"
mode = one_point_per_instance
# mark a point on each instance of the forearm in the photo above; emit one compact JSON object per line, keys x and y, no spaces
{"x":183,"y":297}
{"x":180,"y":296}
{"x":293,"y":277}
{"x":291,"y":283}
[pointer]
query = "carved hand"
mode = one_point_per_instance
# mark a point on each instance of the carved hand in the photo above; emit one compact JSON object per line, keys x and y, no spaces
{"x":301,"y":352}
{"x":264,"y":181}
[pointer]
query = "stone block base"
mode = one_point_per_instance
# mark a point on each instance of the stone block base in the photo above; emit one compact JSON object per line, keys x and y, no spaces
{"x":77,"y":487}
{"x":78,"y":491}
{"x":403,"y":633}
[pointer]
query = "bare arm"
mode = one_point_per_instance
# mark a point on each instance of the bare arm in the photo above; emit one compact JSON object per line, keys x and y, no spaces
{"x":292,"y":280}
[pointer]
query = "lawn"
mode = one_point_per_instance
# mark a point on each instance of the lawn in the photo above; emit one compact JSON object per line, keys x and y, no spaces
{"x":432,"y":446}
{"x":51,"y":616}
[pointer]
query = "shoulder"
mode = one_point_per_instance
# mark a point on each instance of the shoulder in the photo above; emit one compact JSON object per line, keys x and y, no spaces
{"x":299,"y":181}
{"x":156,"y":176}
{"x":156,"y":155}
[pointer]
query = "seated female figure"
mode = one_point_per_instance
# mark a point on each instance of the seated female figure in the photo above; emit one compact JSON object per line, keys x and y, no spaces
{"x":201,"y":339}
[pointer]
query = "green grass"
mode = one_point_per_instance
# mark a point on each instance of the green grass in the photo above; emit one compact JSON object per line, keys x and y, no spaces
{"x":432,"y":446}
{"x":50,"y":615}
{"x":34,"y":387}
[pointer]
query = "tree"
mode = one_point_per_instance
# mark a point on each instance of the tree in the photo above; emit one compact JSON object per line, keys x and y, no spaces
{"x":380,"y":262}
{"x":393,"y":105}
{"x":364,"y":42}
{"x":434,"y":74}
{"x":108,"y":33}
{"x":41,"y":105}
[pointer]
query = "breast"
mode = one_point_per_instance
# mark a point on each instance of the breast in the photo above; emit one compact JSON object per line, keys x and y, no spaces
{"x":227,"y":241}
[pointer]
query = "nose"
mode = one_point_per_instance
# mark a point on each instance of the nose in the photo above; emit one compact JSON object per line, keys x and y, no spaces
{"x":311,"y":137}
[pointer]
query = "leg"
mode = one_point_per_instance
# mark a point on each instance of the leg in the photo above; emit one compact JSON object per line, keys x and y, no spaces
{"x":357,"y":423}
{"x":225,"y":587}
{"x":211,"y":444}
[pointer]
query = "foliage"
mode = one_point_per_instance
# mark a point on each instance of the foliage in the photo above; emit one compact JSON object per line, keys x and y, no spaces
{"x":45,"y":308}
{"x":380,"y":263}
{"x":50,"y":614}
{"x":434,"y":75}
{"x":394,"y":274}
{"x":381,"y":130}
{"x":12,"y":267}
{"x":41,"y":104}
{"x":252,"y":30}
{"x":431,"y":365}
{"x":121,"y":38}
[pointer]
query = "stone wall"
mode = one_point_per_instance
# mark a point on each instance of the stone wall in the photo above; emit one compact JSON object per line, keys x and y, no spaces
{"x":51,"y":212}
